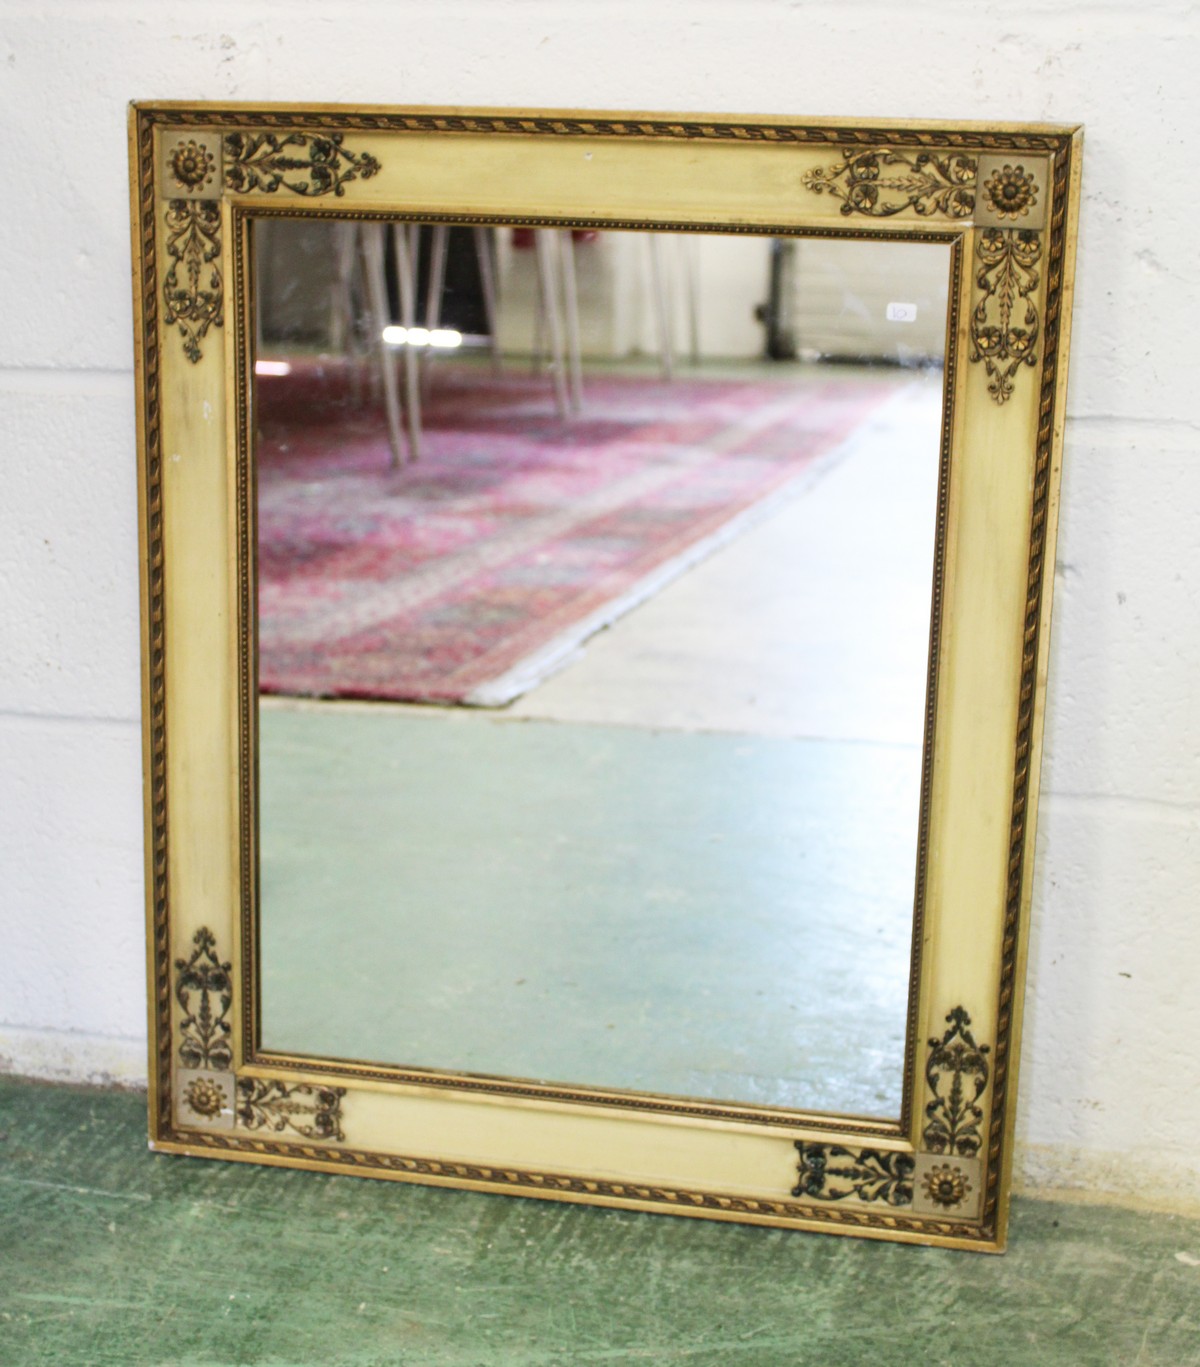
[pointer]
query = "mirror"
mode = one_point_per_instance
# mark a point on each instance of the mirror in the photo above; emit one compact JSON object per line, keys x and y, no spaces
{"x":595,"y":609}
{"x":624,"y":544}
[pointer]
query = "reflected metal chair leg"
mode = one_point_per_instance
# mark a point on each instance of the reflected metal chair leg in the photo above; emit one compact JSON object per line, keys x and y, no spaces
{"x":566,"y":245}
{"x":341,"y":297}
{"x":662,"y":306}
{"x":404,"y":240}
{"x":372,"y":249}
{"x":434,"y":290}
{"x":691,"y":278}
{"x":343,"y":336}
{"x":549,"y":276}
{"x":487,"y":279}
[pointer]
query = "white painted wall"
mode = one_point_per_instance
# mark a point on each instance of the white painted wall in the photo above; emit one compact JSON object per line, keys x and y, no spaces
{"x":1110,"y":1095}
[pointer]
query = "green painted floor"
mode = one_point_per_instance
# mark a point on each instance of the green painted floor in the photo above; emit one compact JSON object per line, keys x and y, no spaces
{"x":695,"y":914}
{"x":112,"y":1257}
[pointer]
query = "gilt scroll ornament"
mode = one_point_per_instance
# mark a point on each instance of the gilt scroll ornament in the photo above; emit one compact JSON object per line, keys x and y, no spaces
{"x":1006,"y":198}
{"x":946,"y":1177}
{"x":203,"y":1079}
{"x":313,"y":1112}
{"x":957,"y":1072}
{"x":205,"y":1084}
{"x":299,"y":162}
{"x":883,"y":181}
{"x":1010,"y":211}
{"x":204,"y":989}
{"x":196,"y":170}
{"x":1004,"y":323}
{"x":192,"y":292}
{"x":829,"y":1172}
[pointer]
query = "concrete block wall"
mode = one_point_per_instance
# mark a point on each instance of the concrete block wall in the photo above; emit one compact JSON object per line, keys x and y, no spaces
{"x":1110,"y":1099}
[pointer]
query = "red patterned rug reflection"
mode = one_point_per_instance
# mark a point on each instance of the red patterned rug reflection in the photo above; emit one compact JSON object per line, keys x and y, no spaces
{"x":464,"y":577}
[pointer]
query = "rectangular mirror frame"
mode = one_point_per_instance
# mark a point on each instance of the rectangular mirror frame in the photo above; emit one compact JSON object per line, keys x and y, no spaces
{"x":1005,"y":197}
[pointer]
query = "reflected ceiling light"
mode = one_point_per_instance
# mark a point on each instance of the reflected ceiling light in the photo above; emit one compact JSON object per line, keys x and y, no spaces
{"x":272,"y":368}
{"x":439,"y":337}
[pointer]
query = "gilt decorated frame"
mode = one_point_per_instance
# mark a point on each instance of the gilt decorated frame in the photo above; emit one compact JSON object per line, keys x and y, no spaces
{"x":1005,"y":199}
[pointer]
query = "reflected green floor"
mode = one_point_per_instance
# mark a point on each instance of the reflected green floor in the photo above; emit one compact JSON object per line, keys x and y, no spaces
{"x":700,"y":914}
{"x":113,"y":1257}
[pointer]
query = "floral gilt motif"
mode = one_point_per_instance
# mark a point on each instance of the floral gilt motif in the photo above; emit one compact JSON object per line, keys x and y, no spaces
{"x":192,"y":296}
{"x":300,"y":162}
{"x":204,"y":989}
{"x":314,"y":1112}
{"x":304,"y":163}
{"x":957,"y":1072}
{"x":192,"y":164}
{"x":204,"y":1097}
{"x":829,"y":1172}
{"x":883,"y":181}
{"x":946,"y":1185}
{"x":1004,"y":323}
{"x":1010,"y":192}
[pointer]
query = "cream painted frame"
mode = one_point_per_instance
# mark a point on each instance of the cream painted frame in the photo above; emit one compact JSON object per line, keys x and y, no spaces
{"x":1006,"y":198}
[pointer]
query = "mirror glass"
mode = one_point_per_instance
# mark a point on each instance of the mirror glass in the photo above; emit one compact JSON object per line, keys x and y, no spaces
{"x":594,"y":582}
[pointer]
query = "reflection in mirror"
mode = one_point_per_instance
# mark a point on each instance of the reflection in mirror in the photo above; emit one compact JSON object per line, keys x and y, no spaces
{"x":594,"y":607}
